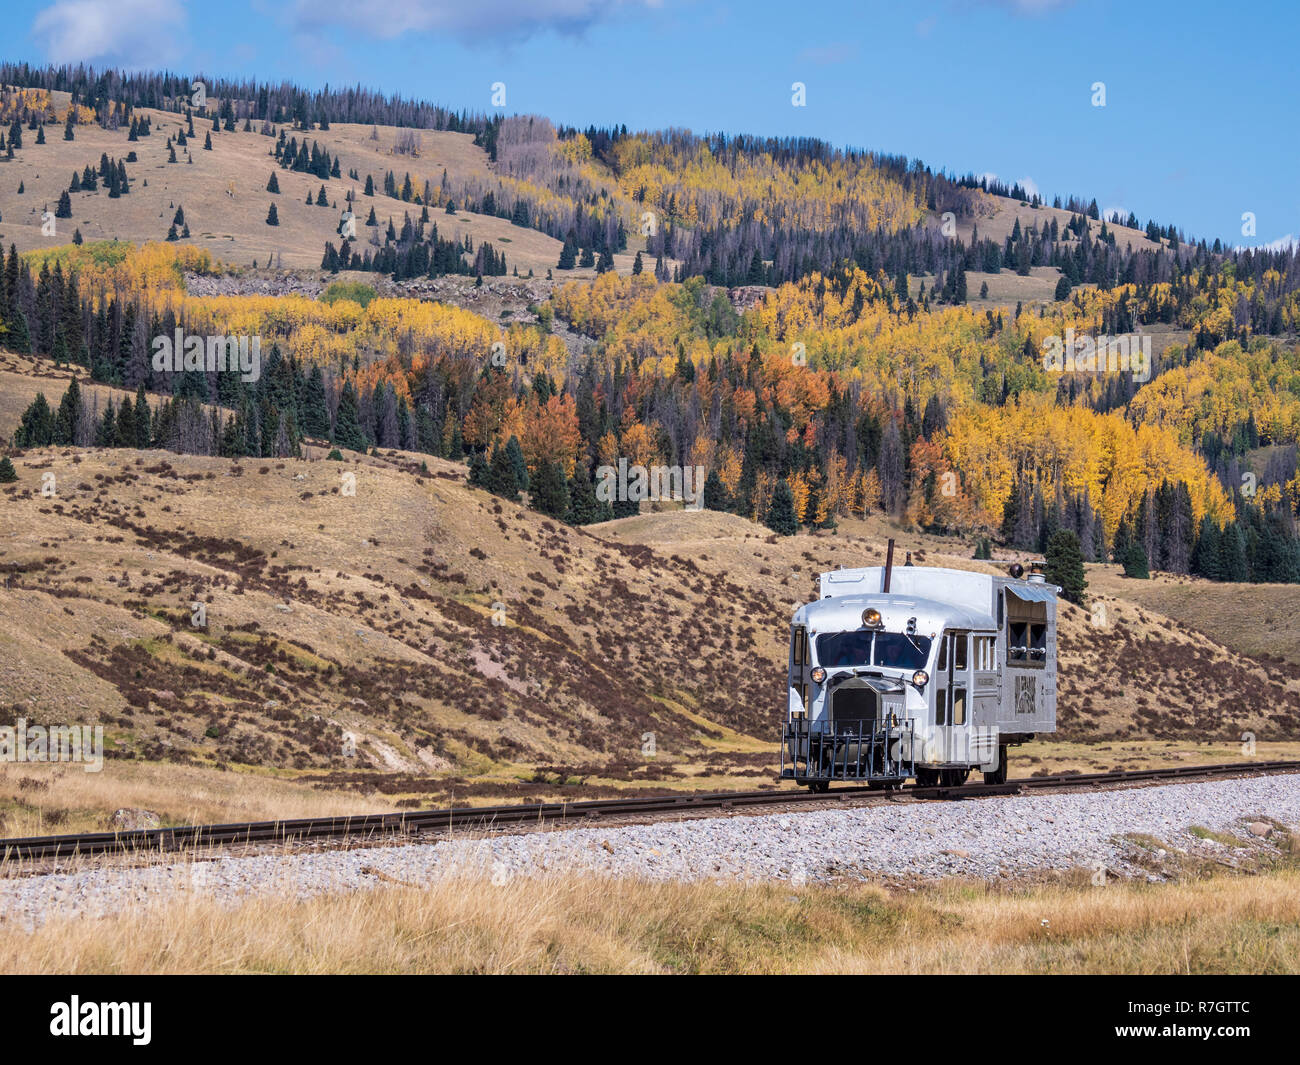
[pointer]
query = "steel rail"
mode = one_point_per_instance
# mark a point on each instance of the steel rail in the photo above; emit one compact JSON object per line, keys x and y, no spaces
{"x":415,"y":822}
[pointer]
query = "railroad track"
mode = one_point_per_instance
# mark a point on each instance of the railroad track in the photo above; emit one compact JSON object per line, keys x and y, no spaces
{"x":413,"y":823}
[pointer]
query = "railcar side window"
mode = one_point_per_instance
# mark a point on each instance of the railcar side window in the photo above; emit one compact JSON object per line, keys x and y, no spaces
{"x":986,"y":652}
{"x":960,"y":642}
{"x":1026,"y":633}
{"x":959,"y":706}
{"x":799,"y":647}
{"x":1017,"y":642}
{"x":1038,"y":643}
{"x":941,"y":706}
{"x":943,"y":654}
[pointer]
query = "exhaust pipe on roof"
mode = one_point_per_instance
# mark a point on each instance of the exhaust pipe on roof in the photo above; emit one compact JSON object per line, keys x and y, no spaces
{"x":889,"y":567}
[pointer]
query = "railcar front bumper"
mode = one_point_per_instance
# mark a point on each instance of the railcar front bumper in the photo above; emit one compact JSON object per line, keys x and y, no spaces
{"x":865,"y":752}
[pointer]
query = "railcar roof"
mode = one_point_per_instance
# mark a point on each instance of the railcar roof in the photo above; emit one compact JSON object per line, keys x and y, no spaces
{"x":844,"y":612}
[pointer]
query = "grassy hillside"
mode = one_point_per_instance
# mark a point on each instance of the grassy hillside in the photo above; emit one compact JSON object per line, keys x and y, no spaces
{"x":465,"y":645}
{"x":223,"y":193}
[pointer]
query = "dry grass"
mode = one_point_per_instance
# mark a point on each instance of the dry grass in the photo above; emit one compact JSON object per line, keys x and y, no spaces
{"x":48,"y":799}
{"x":224,"y":193}
{"x":22,"y":377}
{"x":1225,"y":924}
{"x":1047,"y":756}
{"x":1258,"y":619}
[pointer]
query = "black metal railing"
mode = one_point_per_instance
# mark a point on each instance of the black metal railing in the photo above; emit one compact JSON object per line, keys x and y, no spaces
{"x":860,"y":750}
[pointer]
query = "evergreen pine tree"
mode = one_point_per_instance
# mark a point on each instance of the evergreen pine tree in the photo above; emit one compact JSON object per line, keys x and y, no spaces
{"x":478,"y":470}
{"x":1065,"y":566}
{"x":143,"y":419}
{"x":69,"y":415}
{"x":550,"y":490}
{"x":516,"y":456}
{"x":347,"y":425}
{"x":1135,"y":562}
{"x":1206,"y":559}
{"x":780,"y":513}
{"x":584,"y":507}
{"x":568,"y":254}
{"x":315,"y":410}
{"x":715,"y":493}
{"x":1123,"y":540}
{"x":1233,"y":562}
{"x":501,"y":475}
{"x":36,"y":428}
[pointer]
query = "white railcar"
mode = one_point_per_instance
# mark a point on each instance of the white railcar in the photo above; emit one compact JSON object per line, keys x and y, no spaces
{"x":918,"y":672}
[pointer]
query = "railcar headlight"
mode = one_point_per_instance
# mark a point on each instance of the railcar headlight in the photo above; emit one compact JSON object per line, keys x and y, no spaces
{"x":920,"y":678}
{"x":871,"y":618}
{"x":818,"y":675}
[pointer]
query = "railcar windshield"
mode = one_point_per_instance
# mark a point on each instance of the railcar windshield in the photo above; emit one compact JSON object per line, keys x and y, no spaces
{"x":844,"y":648}
{"x":865,"y":648}
{"x":901,"y":651}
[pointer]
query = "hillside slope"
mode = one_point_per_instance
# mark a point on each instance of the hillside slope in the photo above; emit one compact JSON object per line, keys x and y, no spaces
{"x":225,"y":199}
{"x":462,"y":643}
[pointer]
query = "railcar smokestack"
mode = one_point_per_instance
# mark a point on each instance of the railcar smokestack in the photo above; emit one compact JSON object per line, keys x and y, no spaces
{"x":889,"y":566}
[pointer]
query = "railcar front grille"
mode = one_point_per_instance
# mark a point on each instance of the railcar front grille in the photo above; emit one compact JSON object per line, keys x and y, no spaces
{"x":852,"y":708}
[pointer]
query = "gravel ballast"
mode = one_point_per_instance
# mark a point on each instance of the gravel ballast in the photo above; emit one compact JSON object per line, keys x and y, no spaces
{"x":1007,"y":836}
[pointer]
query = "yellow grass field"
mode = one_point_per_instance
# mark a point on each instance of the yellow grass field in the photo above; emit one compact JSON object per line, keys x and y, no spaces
{"x":1220,"y":923}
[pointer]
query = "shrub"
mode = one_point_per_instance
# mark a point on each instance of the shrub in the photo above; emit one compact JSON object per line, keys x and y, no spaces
{"x":356,"y":291}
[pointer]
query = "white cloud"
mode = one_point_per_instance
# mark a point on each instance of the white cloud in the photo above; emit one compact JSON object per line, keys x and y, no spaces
{"x":118,"y":32}
{"x":480,"y":19}
{"x":1029,"y":185}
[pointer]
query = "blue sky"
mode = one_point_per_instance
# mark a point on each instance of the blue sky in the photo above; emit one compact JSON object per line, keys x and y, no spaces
{"x":1198,"y":125}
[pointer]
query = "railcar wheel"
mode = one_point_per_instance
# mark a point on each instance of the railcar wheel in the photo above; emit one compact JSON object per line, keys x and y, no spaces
{"x":953,"y":778}
{"x":819,"y":786}
{"x":926,"y":778}
{"x":999,"y":775}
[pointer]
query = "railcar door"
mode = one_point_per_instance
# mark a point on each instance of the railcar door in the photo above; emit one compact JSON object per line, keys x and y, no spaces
{"x":952,"y":696}
{"x":984,"y":697}
{"x":800,"y":683}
